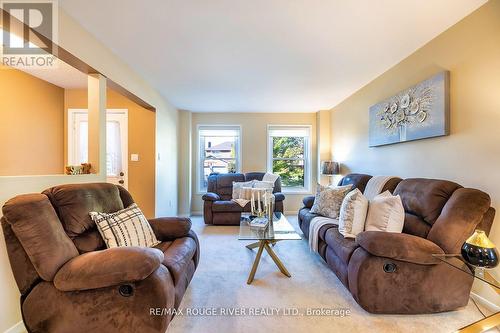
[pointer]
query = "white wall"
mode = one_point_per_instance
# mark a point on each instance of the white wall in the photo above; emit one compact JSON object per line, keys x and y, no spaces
{"x":79,"y":42}
{"x":470,"y":156}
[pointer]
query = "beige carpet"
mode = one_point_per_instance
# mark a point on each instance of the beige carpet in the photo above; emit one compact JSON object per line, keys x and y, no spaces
{"x":220,"y":282}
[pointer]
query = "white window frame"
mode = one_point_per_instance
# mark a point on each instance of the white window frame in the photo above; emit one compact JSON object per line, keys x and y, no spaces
{"x":199,"y":166}
{"x":306,"y":189}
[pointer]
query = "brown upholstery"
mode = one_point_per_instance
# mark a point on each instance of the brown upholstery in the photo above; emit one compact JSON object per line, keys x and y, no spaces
{"x":74,"y":202}
{"x":35,"y":223}
{"x":24,"y":271}
{"x":167,"y":228}
{"x":410,"y":289}
{"x":217,"y":205}
{"x":109,"y":290}
{"x":342,"y":247}
{"x":401,"y":247}
{"x":395,"y":272}
{"x":425,"y":198}
{"x":460,"y":216}
{"x":98,"y":269}
{"x":358,"y":181}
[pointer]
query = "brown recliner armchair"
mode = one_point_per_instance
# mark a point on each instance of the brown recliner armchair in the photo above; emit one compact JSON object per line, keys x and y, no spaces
{"x":396,"y":272}
{"x":217,"y":205}
{"x":69,"y":281}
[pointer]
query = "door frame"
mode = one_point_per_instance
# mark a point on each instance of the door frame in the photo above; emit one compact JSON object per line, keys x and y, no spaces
{"x":72,"y":114}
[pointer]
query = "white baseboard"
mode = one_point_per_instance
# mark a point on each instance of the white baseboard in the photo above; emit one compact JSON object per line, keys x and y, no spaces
{"x":17,"y":328}
{"x":487,"y":304}
{"x":196,"y":214}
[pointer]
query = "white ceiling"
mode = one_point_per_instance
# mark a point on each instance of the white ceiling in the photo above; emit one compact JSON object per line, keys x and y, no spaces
{"x":264,"y":55}
{"x":61,"y":74}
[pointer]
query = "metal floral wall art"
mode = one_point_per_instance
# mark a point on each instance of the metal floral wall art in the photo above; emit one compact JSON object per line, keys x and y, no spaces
{"x":419,"y":112}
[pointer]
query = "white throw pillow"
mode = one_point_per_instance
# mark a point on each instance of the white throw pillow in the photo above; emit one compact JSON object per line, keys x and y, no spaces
{"x":263,"y":184}
{"x":238,"y":187}
{"x":385,"y":213}
{"x":126,"y":227}
{"x":270,"y":177}
{"x":329,"y":199}
{"x":353,"y":214}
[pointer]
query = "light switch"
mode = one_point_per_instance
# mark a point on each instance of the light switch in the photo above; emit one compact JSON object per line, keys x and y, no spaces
{"x":134,"y":157}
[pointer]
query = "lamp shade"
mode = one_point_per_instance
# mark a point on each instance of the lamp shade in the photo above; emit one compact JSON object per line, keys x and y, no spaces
{"x":330,"y":168}
{"x":479,"y":251}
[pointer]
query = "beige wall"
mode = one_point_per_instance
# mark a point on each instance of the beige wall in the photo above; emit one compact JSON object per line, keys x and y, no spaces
{"x":470,"y":50}
{"x":141,"y":140}
{"x":253,"y":145}
{"x":324,"y":153}
{"x":31,"y":125}
{"x":185,"y":163}
{"x":79,"y":42}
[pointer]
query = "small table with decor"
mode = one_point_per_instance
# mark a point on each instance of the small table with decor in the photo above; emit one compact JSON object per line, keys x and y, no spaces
{"x":456,"y":261}
{"x":277,"y":230}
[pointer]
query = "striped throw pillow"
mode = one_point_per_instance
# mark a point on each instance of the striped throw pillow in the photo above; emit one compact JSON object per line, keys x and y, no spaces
{"x":126,"y":227}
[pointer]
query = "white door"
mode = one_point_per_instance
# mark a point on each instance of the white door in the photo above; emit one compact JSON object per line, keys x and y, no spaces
{"x":116,"y":142}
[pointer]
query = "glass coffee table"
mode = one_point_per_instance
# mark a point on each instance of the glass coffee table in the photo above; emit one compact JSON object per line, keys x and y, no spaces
{"x":279,"y":230}
{"x":456,"y":261}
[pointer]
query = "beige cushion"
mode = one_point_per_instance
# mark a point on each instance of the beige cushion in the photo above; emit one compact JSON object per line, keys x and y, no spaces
{"x":238,"y":187}
{"x":385,"y":213}
{"x":353,"y":214}
{"x":126,"y":227}
{"x":329,"y":199}
{"x":263,"y":184}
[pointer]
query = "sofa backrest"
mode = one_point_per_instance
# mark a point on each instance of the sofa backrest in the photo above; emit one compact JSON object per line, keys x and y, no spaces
{"x":259,"y":176}
{"x":222,"y":183}
{"x":357,"y":180}
{"x":443,"y":211}
{"x":37,"y":244}
{"x":74,"y":202}
{"x":43,"y":231}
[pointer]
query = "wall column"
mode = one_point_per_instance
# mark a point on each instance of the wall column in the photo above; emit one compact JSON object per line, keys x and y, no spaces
{"x":185,"y":163}
{"x":323,"y":142}
{"x":97,"y":123}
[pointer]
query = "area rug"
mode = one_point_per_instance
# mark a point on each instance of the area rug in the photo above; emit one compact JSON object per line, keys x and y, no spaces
{"x":219,"y":300}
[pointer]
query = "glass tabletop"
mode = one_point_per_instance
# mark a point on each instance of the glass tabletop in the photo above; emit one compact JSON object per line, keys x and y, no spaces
{"x":456,"y":261}
{"x":279,"y":229}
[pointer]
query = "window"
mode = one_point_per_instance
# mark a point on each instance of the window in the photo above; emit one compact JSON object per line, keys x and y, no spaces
{"x":289,"y":156}
{"x":219,"y":151}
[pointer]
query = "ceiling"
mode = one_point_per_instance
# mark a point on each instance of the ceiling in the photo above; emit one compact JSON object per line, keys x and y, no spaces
{"x":264,"y":55}
{"x":61,"y":75}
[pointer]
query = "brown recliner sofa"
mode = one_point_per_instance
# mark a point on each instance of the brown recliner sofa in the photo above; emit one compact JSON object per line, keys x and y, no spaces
{"x":217,"y":205}
{"x":69,"y":281}
{"x":395,"y":272}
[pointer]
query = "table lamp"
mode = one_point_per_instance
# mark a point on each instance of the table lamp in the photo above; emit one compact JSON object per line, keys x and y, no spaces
{"x":479,"y":251}
{"x":330,"y":168}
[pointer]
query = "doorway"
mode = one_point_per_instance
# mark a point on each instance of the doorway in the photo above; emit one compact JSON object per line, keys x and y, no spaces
{"x":116,"y":142}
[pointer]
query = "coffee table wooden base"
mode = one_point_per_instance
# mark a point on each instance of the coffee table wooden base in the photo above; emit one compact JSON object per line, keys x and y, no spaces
{"x":264,"y":244}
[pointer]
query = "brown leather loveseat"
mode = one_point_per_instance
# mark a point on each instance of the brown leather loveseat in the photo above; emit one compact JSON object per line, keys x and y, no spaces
{"x":69,"y":281}
{"x":218,"y":207}
{"x":396,"y":272}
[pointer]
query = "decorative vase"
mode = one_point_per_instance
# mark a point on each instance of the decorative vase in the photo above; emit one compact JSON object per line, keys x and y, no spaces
{"x":479,"y":251}
{"x":402,"y":132}
{"x":262,"y":203}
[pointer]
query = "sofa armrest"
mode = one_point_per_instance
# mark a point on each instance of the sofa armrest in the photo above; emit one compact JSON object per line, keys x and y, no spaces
{"x":110,"y":267}
{"x":278,"y":196}
{"x":210,"y":196}
{"x":167,"y":228}
{"x":308,"y":201}
{"x":403,"y":247}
